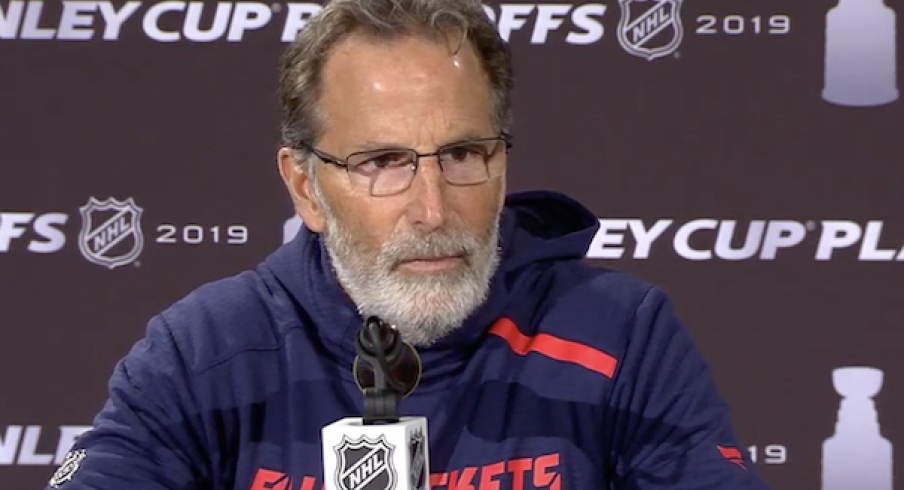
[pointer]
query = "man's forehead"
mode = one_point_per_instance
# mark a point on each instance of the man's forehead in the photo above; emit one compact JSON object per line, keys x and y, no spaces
{"x":407,"y":55}
{"x":404,"y":96}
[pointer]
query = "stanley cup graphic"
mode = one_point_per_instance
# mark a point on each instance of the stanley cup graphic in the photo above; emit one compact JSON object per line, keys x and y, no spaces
{"x":857,"y":456}
{"x":860,"y":54}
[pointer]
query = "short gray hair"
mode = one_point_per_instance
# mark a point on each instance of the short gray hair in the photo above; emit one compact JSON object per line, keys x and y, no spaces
{"x":302,"y":62}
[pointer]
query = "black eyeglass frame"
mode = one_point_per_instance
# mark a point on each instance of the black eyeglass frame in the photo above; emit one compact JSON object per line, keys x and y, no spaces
{"x":343,"y":163}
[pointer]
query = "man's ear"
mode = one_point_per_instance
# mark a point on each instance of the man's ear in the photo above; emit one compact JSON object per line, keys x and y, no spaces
{"x":299,"y":185}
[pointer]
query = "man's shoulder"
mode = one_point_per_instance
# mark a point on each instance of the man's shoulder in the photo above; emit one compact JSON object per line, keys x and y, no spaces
{"x":596,"y":306}
{"x":226,"y":316}
{"x":591,"y":288}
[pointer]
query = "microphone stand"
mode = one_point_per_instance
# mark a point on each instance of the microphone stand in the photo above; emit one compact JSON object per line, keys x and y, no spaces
{"x":382,"y":399}
{"x":380,"y":450}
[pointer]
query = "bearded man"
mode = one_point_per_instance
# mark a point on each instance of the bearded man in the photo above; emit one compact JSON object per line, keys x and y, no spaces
{"x":539,"y":371}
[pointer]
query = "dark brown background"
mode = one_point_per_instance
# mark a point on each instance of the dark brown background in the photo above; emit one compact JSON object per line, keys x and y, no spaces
{"x":730,"y":127}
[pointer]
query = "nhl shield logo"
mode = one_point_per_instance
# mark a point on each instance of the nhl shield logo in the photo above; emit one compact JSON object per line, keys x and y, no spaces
{"x":418,"y":460}
{"x":650,"y":28}
{"x":111,"y":233}
{"x":365,"y":464}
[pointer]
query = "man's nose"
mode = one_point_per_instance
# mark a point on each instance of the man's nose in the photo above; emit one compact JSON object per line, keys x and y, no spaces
{"x":427,"y":207}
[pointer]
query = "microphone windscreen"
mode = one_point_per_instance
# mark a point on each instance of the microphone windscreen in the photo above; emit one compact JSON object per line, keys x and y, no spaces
{"x":404,"y":368}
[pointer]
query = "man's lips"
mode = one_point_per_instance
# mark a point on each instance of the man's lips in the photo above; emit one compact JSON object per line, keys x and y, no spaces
{"x":432,"y":264}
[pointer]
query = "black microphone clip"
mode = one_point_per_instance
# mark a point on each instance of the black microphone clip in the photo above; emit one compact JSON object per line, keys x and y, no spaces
{"x":386,"y":369}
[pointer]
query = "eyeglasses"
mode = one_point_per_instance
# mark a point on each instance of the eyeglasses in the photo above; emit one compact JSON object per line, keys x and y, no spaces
{"x":390,"y":171}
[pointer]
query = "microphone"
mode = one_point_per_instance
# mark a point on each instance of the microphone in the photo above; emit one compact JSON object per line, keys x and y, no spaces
{"x":380,"y":450}
{"x":386,"y":369}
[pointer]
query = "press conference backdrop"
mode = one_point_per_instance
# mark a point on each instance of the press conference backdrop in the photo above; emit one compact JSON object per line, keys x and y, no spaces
{"x":745,"y":156}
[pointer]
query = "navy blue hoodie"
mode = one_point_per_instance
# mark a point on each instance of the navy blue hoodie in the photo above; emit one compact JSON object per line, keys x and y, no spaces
{"x":570,"y":377}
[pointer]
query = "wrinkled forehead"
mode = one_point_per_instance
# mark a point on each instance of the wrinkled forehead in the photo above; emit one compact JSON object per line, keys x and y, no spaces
{"x":412,"y":91}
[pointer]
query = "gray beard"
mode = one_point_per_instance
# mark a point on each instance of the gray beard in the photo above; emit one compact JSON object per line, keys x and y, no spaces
{"x":424,"y":308}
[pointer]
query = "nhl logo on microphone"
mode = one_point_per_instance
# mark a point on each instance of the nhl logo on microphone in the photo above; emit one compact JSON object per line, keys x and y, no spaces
{"x":365,"y":464}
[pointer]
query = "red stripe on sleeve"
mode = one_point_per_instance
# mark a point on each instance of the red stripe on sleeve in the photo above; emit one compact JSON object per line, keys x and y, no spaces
{"x":554,"y":348}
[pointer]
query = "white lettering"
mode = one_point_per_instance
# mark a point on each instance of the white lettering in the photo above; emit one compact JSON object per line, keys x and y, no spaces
{"x":681,"y":241}
{"x":604,"y":236}
{"x":11,"y":226}
{"x":869,"y":249}
{"x":192,"y":27}
{"x":152,"y":19}
{"x":16,"y":449}
{"x":81,"y":20}
{"x":644,"y":238}
{"x":230,"y":20}
{"x":9,"y":444}
{"x":68,"y":436}
{"x":835,"y":235}
{"x":762,"y":239}
{"x":74,"y":21}
{"x":30,"y":29}
{"x":10,"y":20}
{"x":549,"y":18}
{"x":297,"y":18}
{"x":28,"y":453}
{"x":55,"y":239}
{"x":583,"y":18}
{"x":724,"y":237}
{"x":490,"y":13}
{"x":248,"y":16}
{"x":114,"y":19}
{"x":608,"y":235}
{"x":781,"y":234}
{"x":512,"y":18}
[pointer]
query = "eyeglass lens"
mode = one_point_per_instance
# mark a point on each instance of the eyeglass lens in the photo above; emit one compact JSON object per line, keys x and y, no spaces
{"x":391,"y":171}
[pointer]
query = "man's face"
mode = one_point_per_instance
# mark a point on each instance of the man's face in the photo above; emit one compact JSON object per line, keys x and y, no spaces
{"x":422,"y":258}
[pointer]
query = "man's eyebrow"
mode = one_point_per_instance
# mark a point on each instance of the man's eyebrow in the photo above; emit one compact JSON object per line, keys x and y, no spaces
{"x":377,"y":145}
{"x":466,"y":136}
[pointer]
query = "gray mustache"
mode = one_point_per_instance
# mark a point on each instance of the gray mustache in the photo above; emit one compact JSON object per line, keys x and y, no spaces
{"x":432,"y":246}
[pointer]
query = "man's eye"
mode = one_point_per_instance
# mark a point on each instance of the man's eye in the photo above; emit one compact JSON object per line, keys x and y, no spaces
{"x":389,"y":159}
{"x":463,"y":154}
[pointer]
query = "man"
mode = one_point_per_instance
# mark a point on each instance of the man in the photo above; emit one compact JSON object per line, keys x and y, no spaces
{"x":539,"y":371}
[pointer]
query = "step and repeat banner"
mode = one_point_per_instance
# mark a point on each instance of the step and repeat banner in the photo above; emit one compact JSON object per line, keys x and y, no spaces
{"x":748,"y":157}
